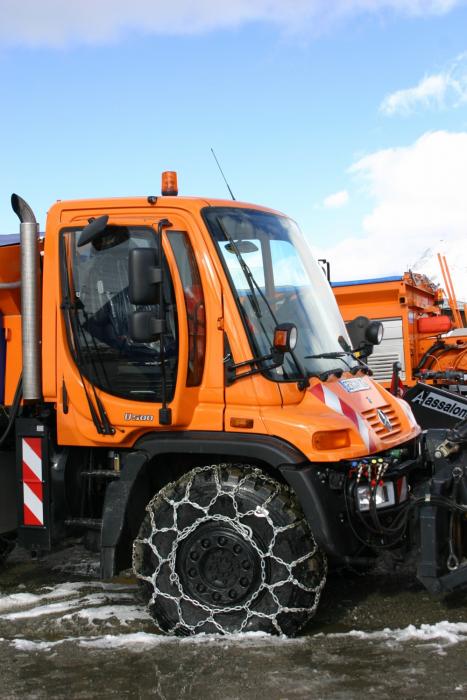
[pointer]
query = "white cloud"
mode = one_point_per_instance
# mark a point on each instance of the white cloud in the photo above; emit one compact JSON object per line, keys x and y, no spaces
{"x":60,"y":22}
{"x":420,"y":209}
{"x":445,"y":89}
{"x":336,"y":200}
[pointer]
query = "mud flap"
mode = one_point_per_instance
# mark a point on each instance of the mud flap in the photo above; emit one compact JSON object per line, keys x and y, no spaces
{"x":8,"y":486}
{"x":124,"y":509}
{"x":33,"y":484}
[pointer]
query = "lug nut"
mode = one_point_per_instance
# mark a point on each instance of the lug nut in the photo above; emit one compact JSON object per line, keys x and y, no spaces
{"x":222,"y":541}
{"x":194,"y":556}
{"x":237,"y":549}
{"x":232,"y":594}
{"x":200,"y":588}
{"x":192,"y":573}
{"x":216,"y":597}
{"x":206,"y":543}
{"x":244,"y":582}
{"x":246,"y":565}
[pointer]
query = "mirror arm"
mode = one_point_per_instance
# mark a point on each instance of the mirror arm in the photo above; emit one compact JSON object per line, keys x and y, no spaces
{"x":231,"y":367}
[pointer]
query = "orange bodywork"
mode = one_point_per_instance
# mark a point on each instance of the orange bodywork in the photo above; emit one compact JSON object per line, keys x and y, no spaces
{"x":410,"y":300}
{"x":254,"y":404}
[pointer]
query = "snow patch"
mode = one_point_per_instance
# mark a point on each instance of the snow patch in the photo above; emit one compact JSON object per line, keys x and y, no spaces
{"x":139,"y":640}
{"x":30,"y":604}
{"x":18,"y":601}
{"x":123,"y":613}
{"x":448,"y":632}
{"x":29,"y":645}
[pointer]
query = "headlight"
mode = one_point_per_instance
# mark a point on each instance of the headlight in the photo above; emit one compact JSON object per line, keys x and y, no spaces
{"x":374,"y":332}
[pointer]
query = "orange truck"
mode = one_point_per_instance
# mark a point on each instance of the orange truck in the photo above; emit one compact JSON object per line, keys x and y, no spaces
{"x":424,"y":343}
{"x":178,"y":386}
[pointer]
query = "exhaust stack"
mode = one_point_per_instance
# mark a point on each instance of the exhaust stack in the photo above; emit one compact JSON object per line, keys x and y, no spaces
{"x":30,"y":299}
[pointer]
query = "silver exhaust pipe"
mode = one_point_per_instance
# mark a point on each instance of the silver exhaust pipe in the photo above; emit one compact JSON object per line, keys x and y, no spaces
{"x":30,"y":299}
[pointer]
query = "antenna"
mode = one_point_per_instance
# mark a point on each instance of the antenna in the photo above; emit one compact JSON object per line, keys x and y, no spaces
{"x":225,"y":179}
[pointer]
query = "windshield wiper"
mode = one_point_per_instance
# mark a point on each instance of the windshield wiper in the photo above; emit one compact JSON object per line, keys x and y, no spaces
{"x":252,"y":283}
{"x":361,"y":367}
{"x":245,"y":269}
{"x":328,"y":356}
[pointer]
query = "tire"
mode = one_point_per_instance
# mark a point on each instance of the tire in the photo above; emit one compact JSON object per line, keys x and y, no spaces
{"x":226,"y":549}
{"x":7,"y":545}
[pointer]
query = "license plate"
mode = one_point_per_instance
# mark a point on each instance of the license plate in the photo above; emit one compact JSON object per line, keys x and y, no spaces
{"x":356,"y":384}
{"x":384,"y":497}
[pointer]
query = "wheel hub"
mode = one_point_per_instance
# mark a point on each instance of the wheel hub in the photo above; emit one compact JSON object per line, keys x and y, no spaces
{"x":217,"y":566}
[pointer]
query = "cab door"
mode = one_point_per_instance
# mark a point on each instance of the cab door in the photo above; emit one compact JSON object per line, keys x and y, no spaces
{"x":113,"y":387}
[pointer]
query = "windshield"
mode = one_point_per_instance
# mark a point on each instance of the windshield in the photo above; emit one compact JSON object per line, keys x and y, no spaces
{"x":277,"y":281}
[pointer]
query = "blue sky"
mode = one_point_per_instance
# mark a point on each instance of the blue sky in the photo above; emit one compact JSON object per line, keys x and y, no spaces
{"x":349,"y":115}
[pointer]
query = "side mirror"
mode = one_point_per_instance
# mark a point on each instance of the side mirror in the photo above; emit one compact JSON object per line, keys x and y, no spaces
{"x":144,"y":276}
{"x":285,"y":338}
{"x":145,"y":327}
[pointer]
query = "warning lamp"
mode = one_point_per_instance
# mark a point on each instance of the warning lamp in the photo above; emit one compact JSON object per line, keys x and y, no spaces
{"x":285,"y":337}
{"x":169,"y":184}
{"x":439,"y":297}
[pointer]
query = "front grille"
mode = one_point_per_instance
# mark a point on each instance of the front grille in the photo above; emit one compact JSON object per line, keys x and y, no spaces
{"x":371,"y":416}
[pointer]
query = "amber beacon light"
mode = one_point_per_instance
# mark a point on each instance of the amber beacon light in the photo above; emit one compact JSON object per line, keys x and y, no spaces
{"x":169,"y":184}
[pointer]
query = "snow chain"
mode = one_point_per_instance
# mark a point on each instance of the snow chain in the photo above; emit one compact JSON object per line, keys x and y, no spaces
{"x":243,"y":530}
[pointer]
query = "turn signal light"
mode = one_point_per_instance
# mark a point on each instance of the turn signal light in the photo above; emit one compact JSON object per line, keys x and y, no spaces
{"x":331,"y":439}
{"x":169,"y":184}
{"x":241,"y":423}
{"x":285,"y":337}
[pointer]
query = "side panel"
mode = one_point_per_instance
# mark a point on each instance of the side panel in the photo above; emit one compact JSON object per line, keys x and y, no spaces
{"x":391,"y":350}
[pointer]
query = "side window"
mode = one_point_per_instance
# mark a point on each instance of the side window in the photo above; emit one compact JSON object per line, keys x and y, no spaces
{"x":97,"y":305}
{"x":194,"y":302}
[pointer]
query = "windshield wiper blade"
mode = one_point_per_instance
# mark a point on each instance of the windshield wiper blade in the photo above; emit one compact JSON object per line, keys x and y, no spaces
{"x":328,"y":356}
{"x":245,"y":269}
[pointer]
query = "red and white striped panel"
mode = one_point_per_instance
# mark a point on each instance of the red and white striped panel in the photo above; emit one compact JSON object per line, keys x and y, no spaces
{"x":33,"y":509}
{"x":333,"y":402}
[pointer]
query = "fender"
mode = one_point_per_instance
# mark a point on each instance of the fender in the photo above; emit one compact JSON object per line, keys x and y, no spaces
{"x":126,"y":499}
{"x":323,"y":510}
{"x":264,"y":448}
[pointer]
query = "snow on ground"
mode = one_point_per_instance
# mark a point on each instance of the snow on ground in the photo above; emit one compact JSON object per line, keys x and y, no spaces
{"x":101,"y":606}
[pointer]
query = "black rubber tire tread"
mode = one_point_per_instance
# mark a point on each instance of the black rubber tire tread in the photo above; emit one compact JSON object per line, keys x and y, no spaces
{"x":7,"y":545}
{"x":252,"y":488}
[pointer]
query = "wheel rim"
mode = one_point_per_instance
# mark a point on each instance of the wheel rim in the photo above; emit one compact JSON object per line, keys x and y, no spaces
{"x":217,"y":566}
